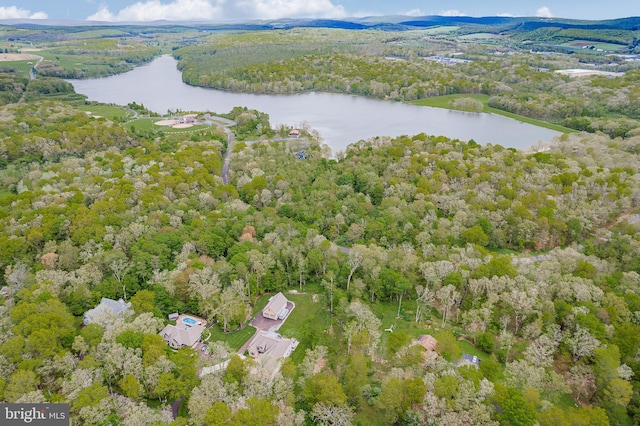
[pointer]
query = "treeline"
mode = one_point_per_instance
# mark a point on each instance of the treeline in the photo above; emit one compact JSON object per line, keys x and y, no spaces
{"x":12,"y":87}
{"x":47,"y":130}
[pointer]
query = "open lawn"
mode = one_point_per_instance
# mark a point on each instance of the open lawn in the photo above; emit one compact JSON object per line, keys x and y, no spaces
{"x":440,"y":30}
{"x":148,"y":124}
{"x":72,"y":61}
{"x":261,"y":303}
{"x":307,"y":322}
{"x":21,"y":66}
{"x":468,"y":348}
{"x":443,"y":102}
{"x":106,"y":111}
{"x":235,"y":339}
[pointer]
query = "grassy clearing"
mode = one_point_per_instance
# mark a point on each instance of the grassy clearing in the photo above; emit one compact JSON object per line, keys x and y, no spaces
{"x":565,"y":401}
{"x":388,"y":311}
{"x":309,"y":318}
{"x":20,"y":66}
{"x":443,"y":102}
{"x":235,"y":339}
{"x":148,"y":124}
{"x":440,"y":30}
{"x":261,"y":303}
{"x":578,"y":44}
{"x":71,"y":61}
{"x":468,"y":348}
{"x":106,"y":111}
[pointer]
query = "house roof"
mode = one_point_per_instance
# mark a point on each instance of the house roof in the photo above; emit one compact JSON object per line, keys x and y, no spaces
{"x":269,"y":343}
{"x":427,"y":341}
{"x":275,"y":305}
{"x":118,"y":307}
{"x":469,"y":360}
{"x":182,"y":336}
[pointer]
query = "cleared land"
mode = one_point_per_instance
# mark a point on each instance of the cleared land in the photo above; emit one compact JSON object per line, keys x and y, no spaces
{"x":110,"y":112}
{"x":580,"y":44}
{"x":18,"y":57}
{"x":443,"y":102}
{"x":151,"y":123}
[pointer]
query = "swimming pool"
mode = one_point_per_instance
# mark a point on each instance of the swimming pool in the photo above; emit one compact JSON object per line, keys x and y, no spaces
{"x":189,"y":321}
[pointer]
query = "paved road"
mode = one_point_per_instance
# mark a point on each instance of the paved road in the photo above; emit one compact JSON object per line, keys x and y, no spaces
{"x":225,"y":166}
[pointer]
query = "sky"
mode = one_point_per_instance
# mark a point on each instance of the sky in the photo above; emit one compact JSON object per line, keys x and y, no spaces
{"x":225,"y":10}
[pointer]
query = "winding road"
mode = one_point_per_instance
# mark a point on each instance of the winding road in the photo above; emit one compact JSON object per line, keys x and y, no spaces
{"x":224,"y":123}
{"x":225,"y":166}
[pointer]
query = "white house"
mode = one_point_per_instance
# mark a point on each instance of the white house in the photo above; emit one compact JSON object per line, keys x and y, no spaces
{"x":276,"y":308}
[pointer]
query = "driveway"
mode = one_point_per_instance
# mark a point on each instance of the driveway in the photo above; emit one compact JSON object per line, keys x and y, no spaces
{"x":266,"y":324}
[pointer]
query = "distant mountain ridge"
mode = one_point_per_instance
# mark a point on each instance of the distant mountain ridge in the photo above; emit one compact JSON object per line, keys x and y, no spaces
{"x":389,"y":23}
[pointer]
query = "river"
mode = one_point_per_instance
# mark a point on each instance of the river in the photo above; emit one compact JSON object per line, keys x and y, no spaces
{"x":340,"y":119}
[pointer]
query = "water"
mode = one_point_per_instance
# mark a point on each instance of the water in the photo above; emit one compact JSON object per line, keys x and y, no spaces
{"x":340,"y":119}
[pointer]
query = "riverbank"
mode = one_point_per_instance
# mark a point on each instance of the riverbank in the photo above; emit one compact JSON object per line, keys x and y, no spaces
{"x":444,"y":102}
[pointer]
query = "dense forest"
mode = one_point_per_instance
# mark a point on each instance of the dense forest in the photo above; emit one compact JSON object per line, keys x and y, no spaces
{"x":522,"y":266}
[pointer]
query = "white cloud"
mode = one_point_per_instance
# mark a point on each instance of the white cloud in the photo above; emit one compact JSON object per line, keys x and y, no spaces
{"x":506,"y":15}
{"x":544,"y":12}
{"x":414,"y":12}
{"x":12,"y":12}
{"x":184,"y":10}
{"x":271,"y":9}
{"x":102,"y":14}
{"x":154,"y":10}
{"x":452,"y":12}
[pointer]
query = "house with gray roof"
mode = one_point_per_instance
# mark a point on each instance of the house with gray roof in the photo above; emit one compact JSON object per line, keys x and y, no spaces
{"x":271,"y":343}
{"x":180,"y":335}
{"x":106,"y":306}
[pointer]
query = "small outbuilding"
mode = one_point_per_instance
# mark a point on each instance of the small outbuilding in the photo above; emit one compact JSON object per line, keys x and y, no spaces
{"x":276,"y":308}
{"x":427,"y":341}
